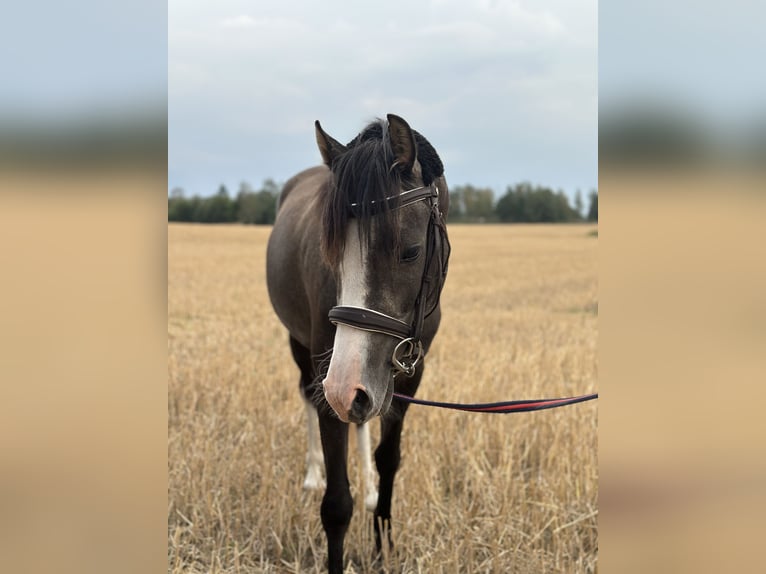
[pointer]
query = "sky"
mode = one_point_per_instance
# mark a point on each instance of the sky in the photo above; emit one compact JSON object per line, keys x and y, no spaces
{"x":506,"y":91}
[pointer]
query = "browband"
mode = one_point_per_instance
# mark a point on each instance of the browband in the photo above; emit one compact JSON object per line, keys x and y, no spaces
{"x":405,"y":198}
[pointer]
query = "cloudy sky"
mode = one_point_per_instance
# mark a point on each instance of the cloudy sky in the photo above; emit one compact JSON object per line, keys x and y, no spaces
{"x":505,"y":90}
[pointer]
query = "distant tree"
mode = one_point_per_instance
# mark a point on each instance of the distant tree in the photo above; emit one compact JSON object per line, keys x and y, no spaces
{"x":258,"y":207}
{"x":179,"y":208}
{"x":270,"y":186}
{"x":475,"y":204}
{"x":512,"y":207}
{"x":542,"y":206}
{"x":201,"y":210}
{"x":216,"y":209}
{"x":245,"y":187}
{"x":578,"y":205}
{"x":524,"y":203}
{"x":193,"y":207}
{"x":565,"y":212}
{"x":456,"y":207}
{"x":242,"y":200}
{"x":593,"y":208}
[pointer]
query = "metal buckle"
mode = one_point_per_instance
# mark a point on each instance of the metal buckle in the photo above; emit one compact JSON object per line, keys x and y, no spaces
{"x":410,"y":356}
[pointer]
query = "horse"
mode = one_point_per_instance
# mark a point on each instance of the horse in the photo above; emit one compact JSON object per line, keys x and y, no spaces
{"x":356,"y":262}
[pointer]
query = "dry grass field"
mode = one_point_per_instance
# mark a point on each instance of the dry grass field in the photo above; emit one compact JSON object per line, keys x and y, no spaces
{"x":475,"y":493}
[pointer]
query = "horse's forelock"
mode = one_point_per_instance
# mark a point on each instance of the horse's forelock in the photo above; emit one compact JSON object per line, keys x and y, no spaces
{"x":362,"y":176}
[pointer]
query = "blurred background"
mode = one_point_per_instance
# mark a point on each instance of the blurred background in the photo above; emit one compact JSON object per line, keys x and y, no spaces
{"x":682,"y":326}
{"x":84,"y":83}
{"x":84,"y":182}
{"x":83,"y":172}
{"x":680,"y":83}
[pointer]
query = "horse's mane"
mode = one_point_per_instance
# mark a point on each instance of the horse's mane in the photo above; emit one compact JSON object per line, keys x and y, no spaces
{"x":430,"y":162}
{"x":362,"y":175}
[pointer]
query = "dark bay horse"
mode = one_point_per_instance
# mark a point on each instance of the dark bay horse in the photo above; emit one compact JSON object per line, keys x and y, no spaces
{"x":355,"y":266}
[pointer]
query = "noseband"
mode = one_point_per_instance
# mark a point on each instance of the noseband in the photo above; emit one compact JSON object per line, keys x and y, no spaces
{"x":409,"y":351}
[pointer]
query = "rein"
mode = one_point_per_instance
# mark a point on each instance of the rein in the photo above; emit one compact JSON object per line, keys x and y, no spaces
{"x":502,"y":407}
{"x":409,"y":351}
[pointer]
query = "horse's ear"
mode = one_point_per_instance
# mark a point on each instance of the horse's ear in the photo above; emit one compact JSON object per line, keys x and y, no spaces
{"x":402,"y":142}
{"x":328,"y":147}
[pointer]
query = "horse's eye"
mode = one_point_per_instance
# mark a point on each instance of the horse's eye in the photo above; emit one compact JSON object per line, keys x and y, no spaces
{"x":410,"y":254}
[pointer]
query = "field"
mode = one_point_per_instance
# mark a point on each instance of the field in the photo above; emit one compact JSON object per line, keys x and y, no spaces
{"x":475,"y":493}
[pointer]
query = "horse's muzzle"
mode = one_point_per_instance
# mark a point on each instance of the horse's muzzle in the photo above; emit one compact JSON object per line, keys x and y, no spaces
{"x":352,"y":404}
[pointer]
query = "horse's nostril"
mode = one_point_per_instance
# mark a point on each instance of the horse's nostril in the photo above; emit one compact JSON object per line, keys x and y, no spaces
{"x":361,"y":406}
{"x":361,"y":400}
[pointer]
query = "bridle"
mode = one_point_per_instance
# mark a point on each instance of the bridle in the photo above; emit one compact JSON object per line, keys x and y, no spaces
{"x":409,"y":351}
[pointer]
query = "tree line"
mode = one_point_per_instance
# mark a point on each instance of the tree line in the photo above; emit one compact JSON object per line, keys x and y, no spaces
{"x":248,"y":206}
{"x":521,"y":203}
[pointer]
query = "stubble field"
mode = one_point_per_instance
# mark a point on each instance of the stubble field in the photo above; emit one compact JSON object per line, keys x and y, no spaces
{"x":475,"y":492}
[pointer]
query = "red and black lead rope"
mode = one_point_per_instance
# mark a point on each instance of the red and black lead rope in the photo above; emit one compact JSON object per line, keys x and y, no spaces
{"x":503,"y":407}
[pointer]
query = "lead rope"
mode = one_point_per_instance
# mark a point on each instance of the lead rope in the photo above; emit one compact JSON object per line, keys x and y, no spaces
{"x":502,"y":407}
{"x":505,"y":407}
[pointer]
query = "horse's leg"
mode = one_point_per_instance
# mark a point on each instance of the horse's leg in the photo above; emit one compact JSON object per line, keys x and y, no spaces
{"x":314,"y":462}
{"x":337,"y":504}
{"x":368,"y":475}
{"x":302,"y":357}
{"x":388,"y":455}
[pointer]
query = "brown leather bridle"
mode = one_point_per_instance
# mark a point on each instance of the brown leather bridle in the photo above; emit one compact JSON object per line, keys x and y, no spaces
{"x":409,"y":351}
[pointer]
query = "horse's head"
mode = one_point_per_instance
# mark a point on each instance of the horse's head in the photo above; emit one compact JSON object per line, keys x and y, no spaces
{"x":385,"y":240}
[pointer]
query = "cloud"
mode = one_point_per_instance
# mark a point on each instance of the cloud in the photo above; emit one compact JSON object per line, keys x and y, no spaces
{"x":277,"y":25}
{"x":241,"y":21}
{"x":509,"y":87}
